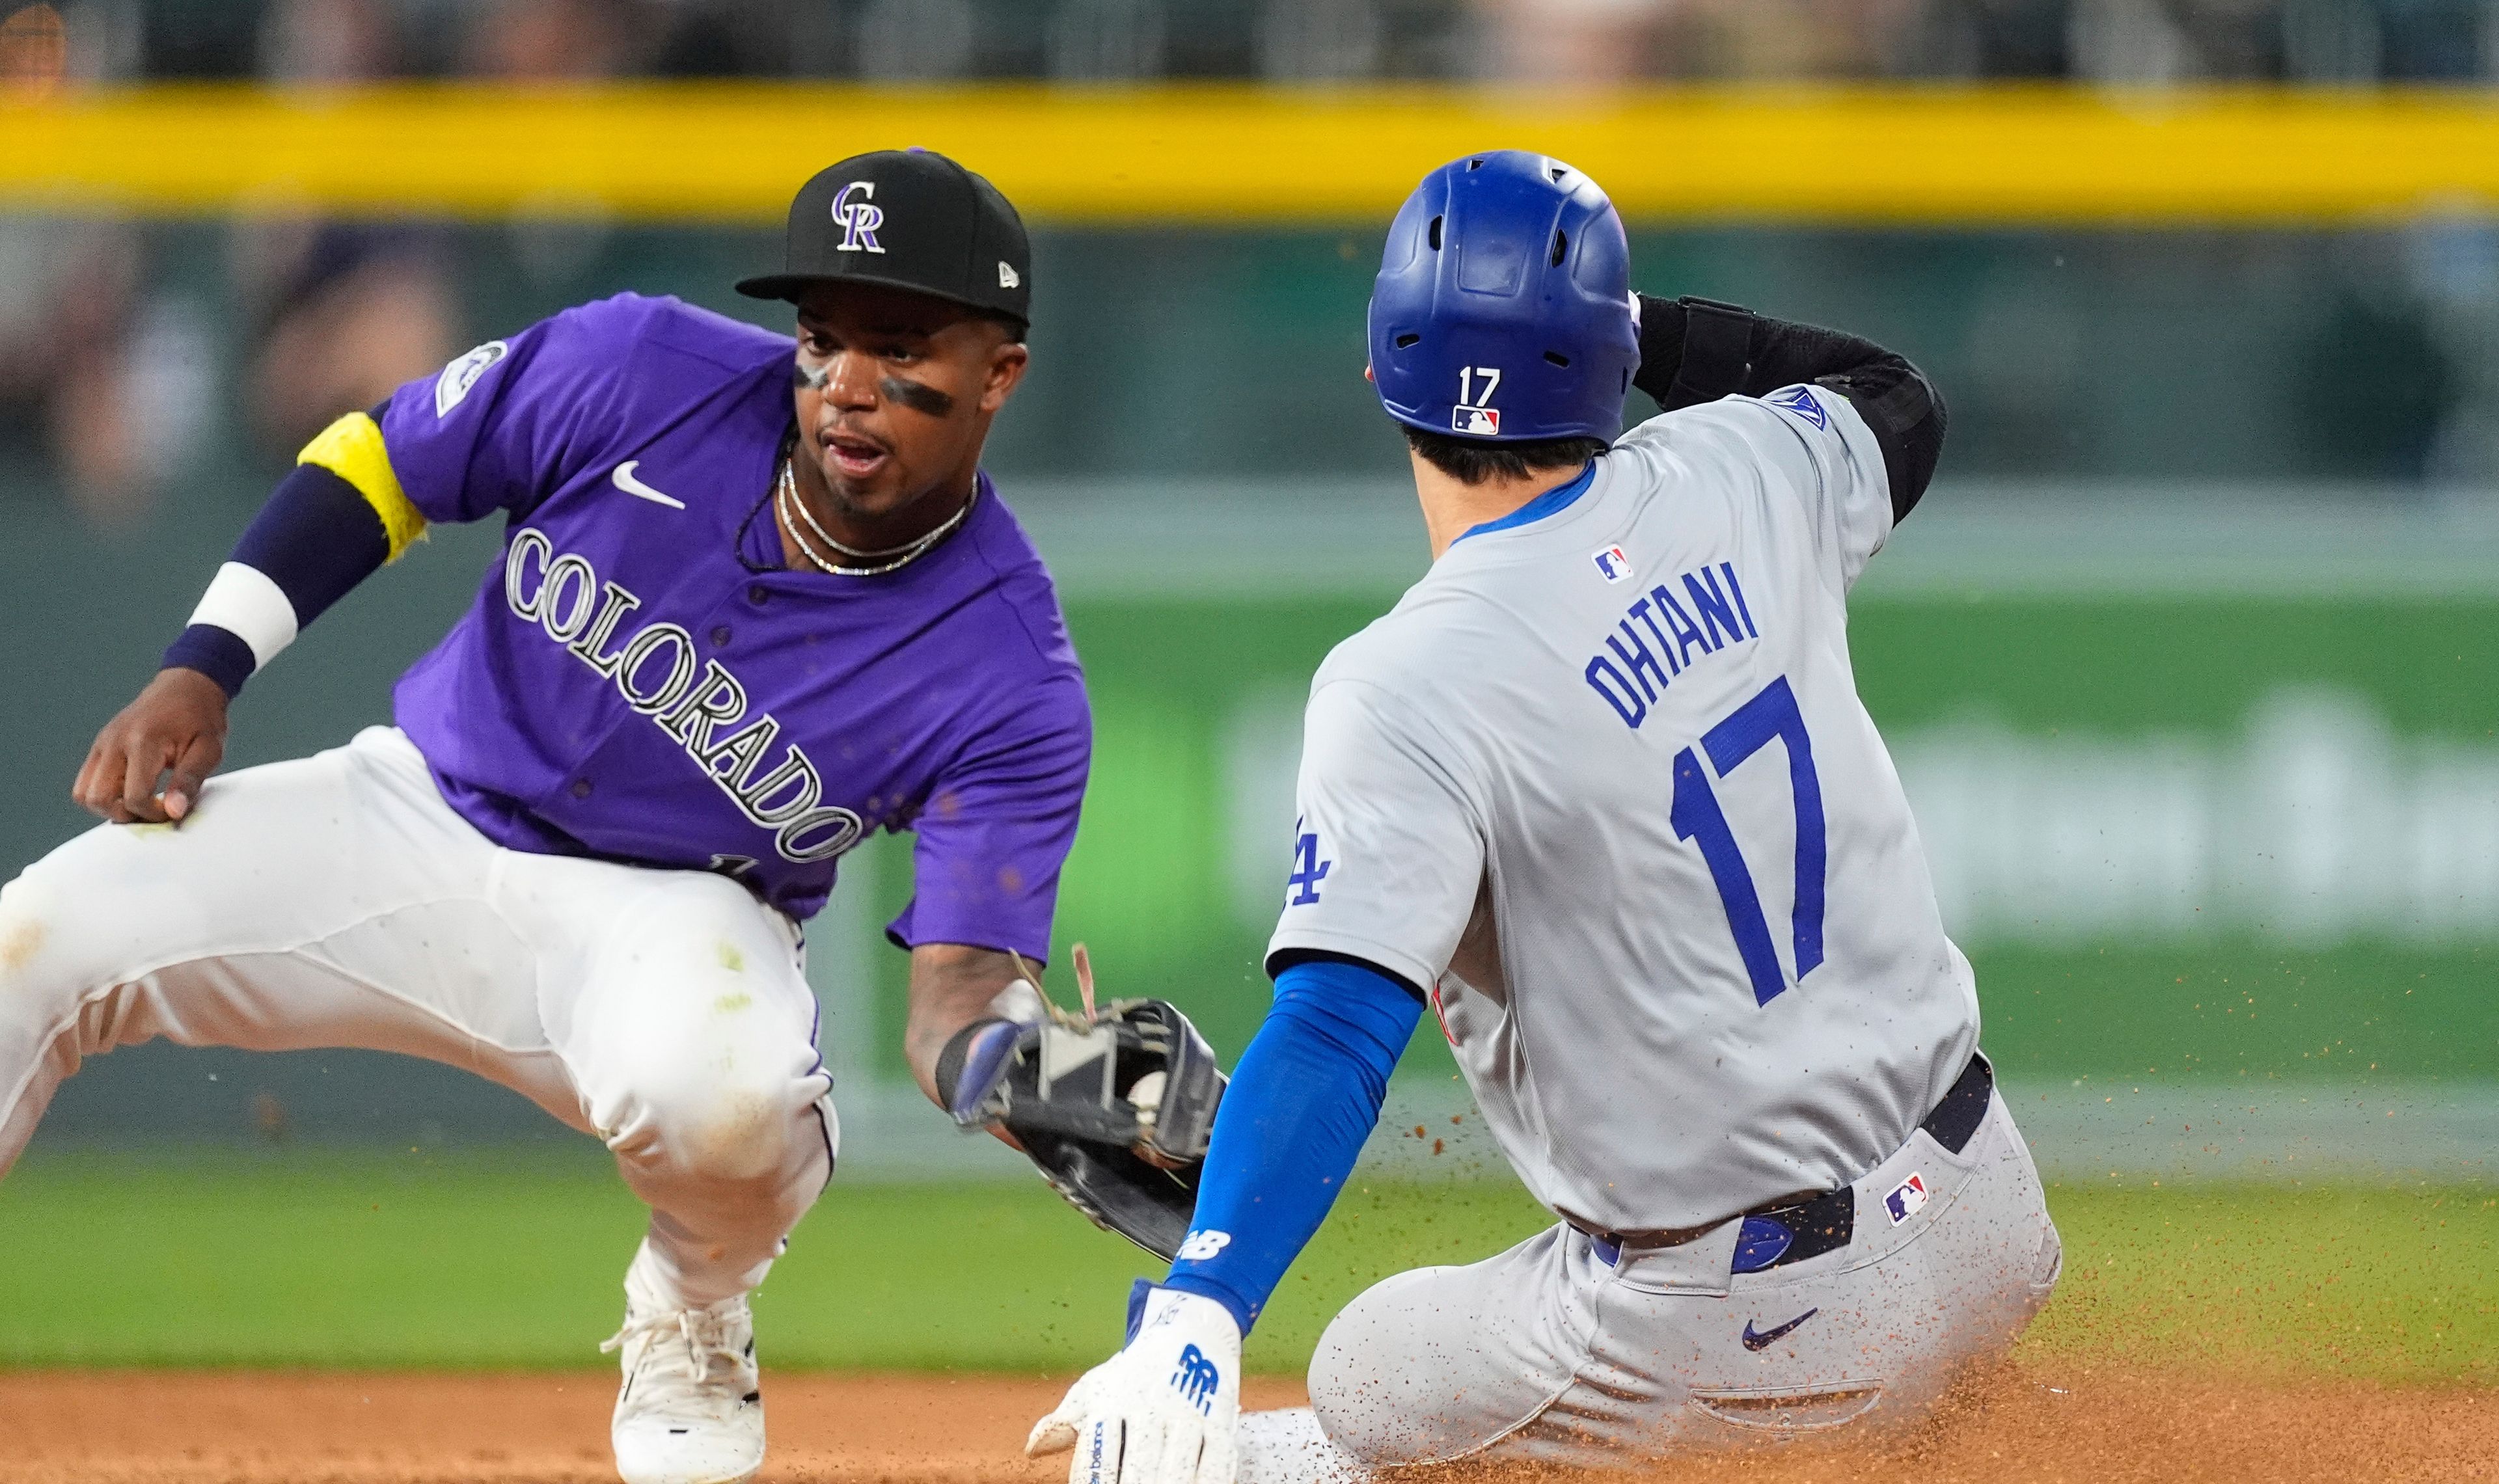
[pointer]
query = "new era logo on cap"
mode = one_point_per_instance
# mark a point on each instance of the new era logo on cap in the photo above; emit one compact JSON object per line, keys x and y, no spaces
{"x":1008,"y":277}
{"x":1483,"y":422}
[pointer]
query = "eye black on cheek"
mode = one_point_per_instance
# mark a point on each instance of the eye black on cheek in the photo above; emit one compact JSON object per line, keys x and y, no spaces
{"x":920,"y":399}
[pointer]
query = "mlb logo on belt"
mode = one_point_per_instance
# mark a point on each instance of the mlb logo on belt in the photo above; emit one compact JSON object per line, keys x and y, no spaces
{"x":1906,"y":1199}
{"x":1612,"y":565}
{"x":1484,"y":422}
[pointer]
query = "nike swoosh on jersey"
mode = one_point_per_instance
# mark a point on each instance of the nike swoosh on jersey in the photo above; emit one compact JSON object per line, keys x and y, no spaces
{"x":626,"y":481}
{"x":1767,"y":1337}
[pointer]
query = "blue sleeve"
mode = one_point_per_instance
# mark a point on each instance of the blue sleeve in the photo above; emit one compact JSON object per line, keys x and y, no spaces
{"x":1303,"y":1100}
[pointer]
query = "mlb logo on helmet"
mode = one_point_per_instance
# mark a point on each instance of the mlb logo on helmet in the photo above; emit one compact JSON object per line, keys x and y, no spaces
{"x":1614,"y":565}
{"x":1483,"y":422}
{"x":1906,"y":1199}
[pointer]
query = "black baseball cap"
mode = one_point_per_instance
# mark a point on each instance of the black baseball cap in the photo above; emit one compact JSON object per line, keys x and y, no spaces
{"x":908,"y":220}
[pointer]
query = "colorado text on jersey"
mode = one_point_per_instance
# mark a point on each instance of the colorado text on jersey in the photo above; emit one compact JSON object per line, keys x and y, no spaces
{"x":563,"y":594}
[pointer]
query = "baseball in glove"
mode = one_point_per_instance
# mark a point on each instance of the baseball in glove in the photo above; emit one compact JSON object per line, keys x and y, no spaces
{"x":1115,"y":1105}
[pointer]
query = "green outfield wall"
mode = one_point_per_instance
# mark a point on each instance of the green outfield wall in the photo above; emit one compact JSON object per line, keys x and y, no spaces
{"x":2209,"y":837}
{"x":2199,"y":830}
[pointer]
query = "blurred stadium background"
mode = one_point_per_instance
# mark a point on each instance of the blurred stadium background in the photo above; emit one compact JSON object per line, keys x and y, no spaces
{"x":2187,"y":660}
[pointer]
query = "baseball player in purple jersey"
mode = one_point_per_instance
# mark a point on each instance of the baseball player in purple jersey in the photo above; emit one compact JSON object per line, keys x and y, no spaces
{"x":756,"y":600}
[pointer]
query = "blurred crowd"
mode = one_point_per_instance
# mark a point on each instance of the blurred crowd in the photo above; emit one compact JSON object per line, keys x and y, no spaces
{"x":2117,"y":41}
{"x":115,"y":347}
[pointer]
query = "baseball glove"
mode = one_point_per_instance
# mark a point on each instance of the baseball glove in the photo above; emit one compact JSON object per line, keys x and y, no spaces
{"x":1115,"y":1105}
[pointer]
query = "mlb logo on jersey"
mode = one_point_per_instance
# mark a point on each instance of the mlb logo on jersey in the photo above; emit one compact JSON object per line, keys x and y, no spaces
{"x":1483,"y":422}
{"x":1800,"y":401}
{"x":1906,"y":1199}
{"x":1614,"y":565}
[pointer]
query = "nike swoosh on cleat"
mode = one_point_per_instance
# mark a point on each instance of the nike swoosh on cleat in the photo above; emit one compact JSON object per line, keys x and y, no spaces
{"x":1765,"y":1338}
{"x":625,"y":480}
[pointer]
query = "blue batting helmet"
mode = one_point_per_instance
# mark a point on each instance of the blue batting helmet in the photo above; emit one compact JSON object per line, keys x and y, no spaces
{"x":1503,"y":309}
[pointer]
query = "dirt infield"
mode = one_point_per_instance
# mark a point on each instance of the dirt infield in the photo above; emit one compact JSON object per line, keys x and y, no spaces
{"x":2037,"y":1424}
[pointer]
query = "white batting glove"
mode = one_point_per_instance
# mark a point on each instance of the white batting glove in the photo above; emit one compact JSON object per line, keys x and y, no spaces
{"x":1161,"y":1411}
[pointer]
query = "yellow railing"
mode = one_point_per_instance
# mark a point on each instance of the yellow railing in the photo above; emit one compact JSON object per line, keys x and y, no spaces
{"x":1236,"y":154}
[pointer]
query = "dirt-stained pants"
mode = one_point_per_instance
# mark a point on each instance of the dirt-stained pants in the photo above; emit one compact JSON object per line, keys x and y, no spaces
{"x":1551,"y":1353}
{"x":337,"y":901}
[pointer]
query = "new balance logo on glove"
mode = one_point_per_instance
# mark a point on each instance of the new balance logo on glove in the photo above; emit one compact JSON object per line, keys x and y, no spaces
{"x":1196,"y":1377}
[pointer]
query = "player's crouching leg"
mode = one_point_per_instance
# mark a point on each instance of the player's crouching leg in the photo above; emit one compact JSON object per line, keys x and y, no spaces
{"x":132,"y":931}
{"x":39,"y":1005}
{"x":692,"y":1042}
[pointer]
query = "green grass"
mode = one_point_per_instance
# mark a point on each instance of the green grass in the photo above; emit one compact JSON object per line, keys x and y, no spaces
{"x":307,"y":1258}
{"x":2392,"y":1284}
{"x":470,"y":1259}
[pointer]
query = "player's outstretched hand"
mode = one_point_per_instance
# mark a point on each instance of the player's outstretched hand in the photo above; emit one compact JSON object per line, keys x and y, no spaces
{"x":1161,"y":1411}
{"x":176,"y":725}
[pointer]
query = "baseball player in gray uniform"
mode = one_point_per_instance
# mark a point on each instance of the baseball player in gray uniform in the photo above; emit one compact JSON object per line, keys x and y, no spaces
{"x":1601,"y":792}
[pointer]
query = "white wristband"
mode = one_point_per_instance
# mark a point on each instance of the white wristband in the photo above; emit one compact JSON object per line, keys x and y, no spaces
{"x":245,"y":603}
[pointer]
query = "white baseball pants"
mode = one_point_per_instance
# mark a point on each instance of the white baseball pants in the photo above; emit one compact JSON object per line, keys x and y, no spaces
{"x":337,"y":901}
{"x":1547,"y":1353}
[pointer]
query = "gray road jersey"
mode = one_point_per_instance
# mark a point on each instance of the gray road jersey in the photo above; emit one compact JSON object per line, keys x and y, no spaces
{"x":1603,"y":783}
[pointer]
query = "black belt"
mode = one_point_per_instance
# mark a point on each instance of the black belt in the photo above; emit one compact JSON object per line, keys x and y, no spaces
{"x":1790,"y":1231}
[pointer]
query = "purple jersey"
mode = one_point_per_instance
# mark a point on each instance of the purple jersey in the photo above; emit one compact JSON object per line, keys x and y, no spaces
{"x":642,"y":680}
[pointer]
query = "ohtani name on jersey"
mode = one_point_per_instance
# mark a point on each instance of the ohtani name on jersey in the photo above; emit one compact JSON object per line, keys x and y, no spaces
{"x":1659,"y":635}
{"x":654,"y":668}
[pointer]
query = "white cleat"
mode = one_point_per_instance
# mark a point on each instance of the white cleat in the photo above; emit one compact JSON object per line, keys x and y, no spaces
{"x":692,"y":1408}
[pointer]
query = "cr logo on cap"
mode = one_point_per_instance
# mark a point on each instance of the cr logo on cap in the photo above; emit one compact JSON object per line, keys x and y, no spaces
{"x":858,"y":218}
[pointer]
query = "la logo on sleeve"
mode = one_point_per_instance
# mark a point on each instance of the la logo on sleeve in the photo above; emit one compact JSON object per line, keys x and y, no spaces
{"x":1308,"y":870}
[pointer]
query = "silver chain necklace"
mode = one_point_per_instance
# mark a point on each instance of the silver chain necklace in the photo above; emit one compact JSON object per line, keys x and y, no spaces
{"x":793,"y":511}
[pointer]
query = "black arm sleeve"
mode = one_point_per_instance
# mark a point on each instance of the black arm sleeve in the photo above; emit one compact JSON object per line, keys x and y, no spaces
{"x":315,"y":539}
{"x":1696,"y":350}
